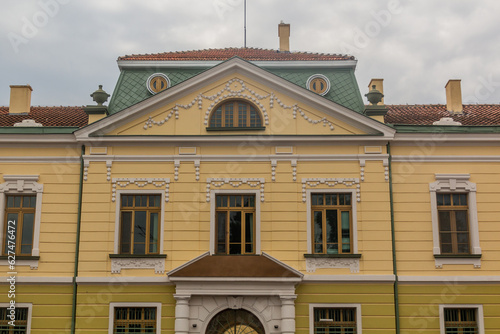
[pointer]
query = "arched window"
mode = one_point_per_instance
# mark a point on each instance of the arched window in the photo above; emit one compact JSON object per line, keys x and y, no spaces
{"x":235,"y":114}
{"x":235,"y":321}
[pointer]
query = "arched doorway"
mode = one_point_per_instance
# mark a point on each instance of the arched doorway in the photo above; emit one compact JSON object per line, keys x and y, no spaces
{"x":235,"y":321}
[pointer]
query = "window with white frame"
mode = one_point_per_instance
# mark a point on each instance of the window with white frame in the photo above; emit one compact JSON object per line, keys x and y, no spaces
{"x":455,"y":226}
{"x":234,"y":222}
{"x":335,"y":319}
{"x":139,"y":226}
{"x":134,"y":318}
{"x":20,"y":218}
{"x":331,"y":221}
{"x":461,"y":319}
{"x":15,"y":320}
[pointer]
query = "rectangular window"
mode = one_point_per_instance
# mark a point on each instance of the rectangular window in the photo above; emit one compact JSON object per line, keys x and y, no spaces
{"x":21,"y":322}
{"x":453,"y":223}
{"x":460,"y":321}
{"x":139,"y":224}
{"x":235,"y":224}
{"x":19,"y":224}
{"x":134,"y":320}
{"x":335,"y":320}
{"x":332,"y":223}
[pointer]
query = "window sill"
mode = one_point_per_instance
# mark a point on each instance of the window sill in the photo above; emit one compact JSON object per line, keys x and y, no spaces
{"x":457,"y":259}
{"x":260,"y":128}
{"x":143,"y":261}
{"x":332,"y":261}
{"x":21,"y":260}
{"x":457,"y":256}
{"x":137,"y":256}
{"x":354,"y":256}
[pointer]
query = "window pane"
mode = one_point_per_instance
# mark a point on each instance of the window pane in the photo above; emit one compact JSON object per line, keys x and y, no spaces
{"x":331,"y":226}
{"x":125,"y":232}
{"x":444,"y":221}
{"x":140,"y":231}
{"x":346,"y":231}
{"x":17,"y":201}
{"x":461,"y":218}
{"x":446,"y":248}
{"x":317,"y":199}
{"x":216,"y":120}
{"x":26,"y":201}
{"x":221,"y":232}
{"x":235,"y":201}
{"x":10,"y":201}
{"x":249,"y":201}
{"x":234,"y":226}
{"x":153,"y":233}
{"x":318,"y":231}
{"x":33,"y":201}
{"x":228,"y":119}
{"x":242,"y":115}
{"x":249,"y":227}
{"x":27,"y":233}
{"x":235,"y":249}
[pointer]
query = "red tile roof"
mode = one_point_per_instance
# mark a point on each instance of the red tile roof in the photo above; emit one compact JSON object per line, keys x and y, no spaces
{"x":426,"y":114}
{"x":245,"y":53}
{"x":47,"y":116}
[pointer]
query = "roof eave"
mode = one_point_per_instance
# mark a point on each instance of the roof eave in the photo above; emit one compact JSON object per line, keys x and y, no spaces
{"x":129,"y":64}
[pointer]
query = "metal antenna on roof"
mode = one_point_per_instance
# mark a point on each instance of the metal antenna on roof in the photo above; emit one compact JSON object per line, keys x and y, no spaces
{"x":245,"y":23}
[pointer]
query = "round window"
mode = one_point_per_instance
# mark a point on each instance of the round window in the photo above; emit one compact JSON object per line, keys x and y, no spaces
{"x":157,"y":82}
{"x":318,"y":84}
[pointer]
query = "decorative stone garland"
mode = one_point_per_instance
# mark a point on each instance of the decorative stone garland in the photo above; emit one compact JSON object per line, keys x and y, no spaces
{"x":295,"y":108}
{"x":140,"y":182}
{"x":236,"y":182}
{"x":331,"y":182}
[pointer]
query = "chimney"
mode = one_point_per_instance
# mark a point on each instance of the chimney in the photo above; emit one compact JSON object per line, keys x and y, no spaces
{"x":284,"y":35}
{"x":379,"y":85}
{"x":454,"y":96}
{"x":20,"y":99}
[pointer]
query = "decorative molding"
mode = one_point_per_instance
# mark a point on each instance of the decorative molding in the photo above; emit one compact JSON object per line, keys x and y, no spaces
{"x":140,"y":182}
{"x":86,"y":164}
{"x":362,"y":164}
{"x":235,"y":183}
{"x":294,"y":170}
{"x":28,"y":123}
{"x":109,"y":163}
{"x":177,"y":164}
{"x":439,"y":262}
{"x":349,"y":278}
{"x":446,"y":121}
{"x":273,"y":170}
{"x":21,"y":184}
{"x":386,"y":169}
{"x":295,"y":108}
{"x":197,"y":169}
{"x":331,"y":182}
{"x":326,"y":263}
{"x":117,"y":264}
{"x":319,"y":76}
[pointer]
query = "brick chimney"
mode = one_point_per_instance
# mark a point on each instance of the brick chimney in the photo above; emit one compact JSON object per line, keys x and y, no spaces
{"x":20,"y":99}
{"x":284,"y":35}
{"x":454,"y":96}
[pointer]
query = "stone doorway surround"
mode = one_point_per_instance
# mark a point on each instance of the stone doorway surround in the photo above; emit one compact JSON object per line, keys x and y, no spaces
{"x":259,"y":284}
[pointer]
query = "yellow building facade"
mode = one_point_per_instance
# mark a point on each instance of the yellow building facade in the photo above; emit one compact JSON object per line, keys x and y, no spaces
{"x":230,"y":198}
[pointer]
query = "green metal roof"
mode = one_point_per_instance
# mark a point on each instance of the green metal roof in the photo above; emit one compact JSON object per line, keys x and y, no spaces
{"x":131,"y":86}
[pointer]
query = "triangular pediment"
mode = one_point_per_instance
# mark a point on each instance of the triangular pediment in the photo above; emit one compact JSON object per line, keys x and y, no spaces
{"x":286,"y":109}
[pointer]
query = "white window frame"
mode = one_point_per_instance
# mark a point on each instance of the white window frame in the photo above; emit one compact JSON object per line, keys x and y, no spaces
{"x":118,"y":202}
{"x":22,"y":185}
{"x":455,"y":183}
{"x":359,"y":327}
{"x":213,"y":203}
{"x":29,"y":306}
{"x":354,"y":218}
{"x":112,"y":307}
{"x":479,"y":315}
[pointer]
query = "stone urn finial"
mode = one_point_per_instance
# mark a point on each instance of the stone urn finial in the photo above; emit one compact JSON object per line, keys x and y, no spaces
{"x":374,"y":96}
{"x":100,"y":96}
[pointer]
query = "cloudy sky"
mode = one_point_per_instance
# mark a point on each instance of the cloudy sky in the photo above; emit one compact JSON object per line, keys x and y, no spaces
{"x":65,"y":48}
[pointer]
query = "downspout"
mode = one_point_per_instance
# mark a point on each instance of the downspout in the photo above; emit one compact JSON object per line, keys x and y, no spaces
{"x":77,"y":249}
{"x":394,"y":264}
